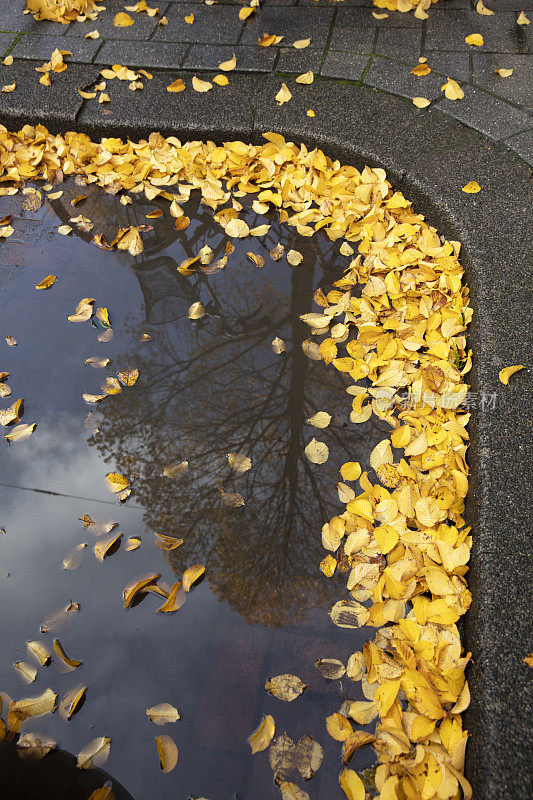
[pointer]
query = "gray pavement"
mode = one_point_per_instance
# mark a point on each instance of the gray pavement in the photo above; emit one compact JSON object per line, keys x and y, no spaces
{"x":347,"y":44}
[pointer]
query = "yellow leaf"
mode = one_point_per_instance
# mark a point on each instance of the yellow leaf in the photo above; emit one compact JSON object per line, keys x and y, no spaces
{"x":47,"y":282}
{"x":245,"y":12}
{"x":285,"y":687}
{"x":162,"y":713}
{"x":300,"y":44}
{"x":420,"y":70}
{"x":290,"y":791}
{"x":176,"y":86}
{"x":175,"y":600}
{"x":352,"y":785}
{"x":320,"y":420}
{"x":351,"y":471}
{"x":504,"y":72}
{"x":21,"y":710}
{"x":317,"y":452}
{"x":105,"y":544}
{"x":338,"y":727}
{"x":189,"y":18}
{"x":260,"y":739}
{"x":306,"y":78}
{"x":20,"y":432}
{"x":69,"y":662}
{"x":381,"y":454}
{"x":137,"y":584}
{"x":94,"y":754}
{"x":310,"y":112}
{"x":167,"y":752}
{"x":284,"y":95}
{"x":92,"y":35}
{"x":475,"y":39}
{"x":71,"y":702}
{"x":201,"y":86}
{"x":220,"y":80}
{"x":116,"y":481}
{"x":227,"y":66}
{"x":84,"y":310}
{"x":481,"y":9}
{"x":452,"y":90}
{"x":122,"y":20}
{"x":471,"y":188}
{"x":506,"y":372}
{"x":191,"y":575}
{"x":128,"y":377}
{"x":522,"y":19}
{"x":386,"y":537}
{"x":196,"y":311}
{"x":27,"y":672}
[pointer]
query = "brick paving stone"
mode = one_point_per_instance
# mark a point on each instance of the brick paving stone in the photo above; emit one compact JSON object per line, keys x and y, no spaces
{"x":487,"y":114}
{"x":142,"y":27}
{"x":212,"y":25}
{"x":399,"y":43}
{"x":12,"y":18}
{"x":292,"y":60}
{"x":446,"y":30}
{"x":41,"y":47}
{"x":518,"y":88}
{"x":452,"y":65}
{"x":292,"y":23}
{"x":352,"y":38}
{"x":397,"y":78}
{"x":522,"y":144}
{"x":6,"y":40}
{"x":168,"y":55}
{"x":362,"y":17}
{"x":346,"y":66}
{"x":249,"y":59}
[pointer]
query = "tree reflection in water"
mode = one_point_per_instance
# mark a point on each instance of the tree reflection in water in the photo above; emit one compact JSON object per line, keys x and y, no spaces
{"x":215,"y":386}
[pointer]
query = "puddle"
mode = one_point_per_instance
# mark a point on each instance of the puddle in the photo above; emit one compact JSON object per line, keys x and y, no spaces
{"x":206,"y":388}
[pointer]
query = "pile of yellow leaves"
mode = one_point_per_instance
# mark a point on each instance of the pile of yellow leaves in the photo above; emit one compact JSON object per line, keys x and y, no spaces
{"x":420,"y":7}
{"x":62,"y":10}
{"x":395,"y":323}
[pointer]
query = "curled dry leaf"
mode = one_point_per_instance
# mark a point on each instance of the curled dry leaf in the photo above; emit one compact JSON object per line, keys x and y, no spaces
{"x":116,"y":482}
{"x":64,"y":230}
{"x":97,"y":528}
{"x":259,"y":261}
{"x":47,"y":282}
{"x":330,"y":668}
{"x":167,"y":543}
{"x":20,"y":432}
{"x":111,"y":386}
{"x":506,"y":372}
{"x":483,"y":10}
{"x":175,"y":600}
{"x":105,"y":545}
{"x":162,"y":713}
{"x":452,"y":90}
{"x":132,"y":544}
{"x":317,"y":452}
{"x":137,"y":584}
{"x":33,"y":747}
{"x":277,"y":252}
{"x":201,"y":86}
{"x":285,"y":687}
{"x":283,"y":95}
{"x":105,"y":792}
{"x":68,"y":662}
{"x":39,"y":652}
{"x":27,"y":672}
{"x":94,"y":754}
{"x":74,"y":558}
{"x":71,"y":702}
{"x":221,"y":80}
{"x":260,"y":739}
{"x":238,"y":462}
{"x":227,"y":66}
{"x":278,"y":346}
{"x":84,"y":310}
{"x":21,"y":710}
{"x":175,"y":470}
{"x":167,"y":752}
{"x":96,"y":362}
{"x":503,"y":72}
{"x":11,"y":413}
{"x":191,"y":575}
{"x":176,"y":86}
{"x":320,"y":420}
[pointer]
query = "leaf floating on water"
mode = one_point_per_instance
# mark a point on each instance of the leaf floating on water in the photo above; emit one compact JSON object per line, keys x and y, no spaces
{"x":135,"y":586}
{"x":162,"y":713}
{"x":167,"y":752}
{"x":238,"y":462}
{"x":74,"y":558}
{"x":70,"y":704}
{"x":351,"y":471}
{"x":93,"y":398}
{"x":232,"y":499}
{"x":111,"y":386}
{"x":349,"y":614}
{"x":104,"y":545}
{"x":260,"y":739}
{"x":330,"y":668}
{"x":506,"y":372}
{"x":116,"y":482}
{"x":317,"y":452}
{"x":60,"y":620}
{"x":285,"y":687}
{"x":68,"y":662}
{"x":84,"y":310}
{"x":132,"y":544}
{"x":290,"y":791}
{"x":94,"y":754}
{"x":39,"y":651}
{"x":20,"y":432}
{"x":311,"y":350}
{"x":47,"y":282}
{"x":11,"y":414}
{"x":175,"y":600}
{"x":293,"y":256}
{"x":27,"y":672}
{"x":128,"y":377}
{"x":175,"y":470}
{"x":21,"y":710}
{"x":320,"y":420}
{"x":191,"y":575}
{"x":196,"y":311}
{"x":98,"y":528}
{"x":258,"y":260}
{"x":167,"y":543}
{"x":106,"y":335}
{"x":96,"y":362}
{"x":64,"y":230}
{"x":286,"y":757}
{"x":105,"y":792}
{"x":352,"y":785}
{"x":31,"y":747}
{"x":278,"y":346}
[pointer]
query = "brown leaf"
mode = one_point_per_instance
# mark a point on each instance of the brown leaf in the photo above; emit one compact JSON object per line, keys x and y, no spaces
{"x":260,"y":739}
{"x":105,"y":545}
{"x":167,"y":752}
{"x":135,"y":586}
{"x":70,"y":704}
{"x":191,"y":575}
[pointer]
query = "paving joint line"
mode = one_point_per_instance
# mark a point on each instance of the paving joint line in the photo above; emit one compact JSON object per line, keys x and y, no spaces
{"x":329,"y":37}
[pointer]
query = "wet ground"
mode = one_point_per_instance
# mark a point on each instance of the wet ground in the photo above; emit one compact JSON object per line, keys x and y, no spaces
{"x":206,"y":388}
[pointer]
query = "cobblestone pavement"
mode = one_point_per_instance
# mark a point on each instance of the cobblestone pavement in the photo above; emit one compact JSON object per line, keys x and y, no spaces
{"x":347,"y":44}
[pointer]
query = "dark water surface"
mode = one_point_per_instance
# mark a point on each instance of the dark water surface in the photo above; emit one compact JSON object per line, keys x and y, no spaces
{"x":206,"y":388}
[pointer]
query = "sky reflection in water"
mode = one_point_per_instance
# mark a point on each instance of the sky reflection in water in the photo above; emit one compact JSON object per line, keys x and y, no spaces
{"x":205,"y":389}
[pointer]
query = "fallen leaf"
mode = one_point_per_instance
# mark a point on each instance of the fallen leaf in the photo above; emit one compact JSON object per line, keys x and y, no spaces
{"x":474,"y":38}
{"x":352,"y":785}
{"x":471,"y":188}
{"x":189,"y":18}
{"x":132,"y":543}
{"x":64,"y":230}
{"x":137,"y":584}
{"x":284,"y":95}
{"x":351,"y":471}
{"x":128,"y":377}
{"x":227,"y":66}
{"x":12,"y":413}
{"x":317,"y":452}
{"x":522,"y":19}
{"x":74,"y":558}
{"x":176,"y":86}
{"x":238,"y":462}
{"x":201,"y":86}
{"x":84,"y":310}
{"x":191,"y":575}
{"x":11,"y":341}
{"x":260,"y":739}
{"x":221,"y":80}
{"x":122,"y":20}
{"x":306,"y":78}
{"x":320,"y":420}
{"x":73,"y":663}
{"x":21,"y":710}
{"x":92,"y":35}
{"x":330,"y":668}
{"x":20,"y":432}
{"x":8,"y":60}
{"x":300,"y":44}
{"x":94,"y":754}
{"x":268,"y":39}
{"x":104,"y":545}
{"x":116,"y":482}
{"x":31,"y":747}
{"x":47,"y":282}
{"x":310,"y":112}
{"x":106,"y":335}
{"x":285,"y":757}
{"x":167,"y":543}
{"x":259,"y":261}
{"x":110,"y":386}
{"x":278,"y":346}
{"x":452,"y":90}
{"x":162,"y":713}
{"x":8,"y":88}
{"x":196,"y":311}
{"x":504,"y":72}
{"x":506,"y":372}
{"x":167,"y":752}
{"x":175,"y":600}
{"x":294,"y":258}
{"x":290,"y":791}
{"x":237,"y":228}
{"x":483,"y":10}
{"x":70,"y":703}
{"x":420,"y":70}
{"x":39,"y":652}
{"x":27,"y":672}
{"x":528,"y":660}
{"x":285,"y":687}
{"x":96,"y":362}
